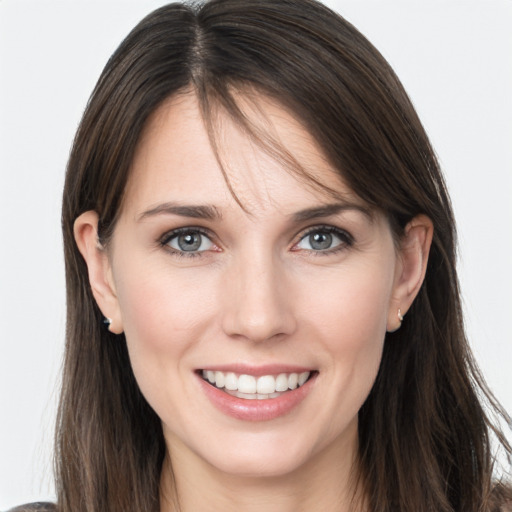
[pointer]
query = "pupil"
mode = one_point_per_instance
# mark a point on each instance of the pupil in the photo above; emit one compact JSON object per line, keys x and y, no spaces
{"x":321,"y":241}
{"x":189,"y":242}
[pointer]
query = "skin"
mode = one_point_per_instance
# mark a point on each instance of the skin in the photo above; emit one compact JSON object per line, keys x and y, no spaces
{"x":259,"y":293}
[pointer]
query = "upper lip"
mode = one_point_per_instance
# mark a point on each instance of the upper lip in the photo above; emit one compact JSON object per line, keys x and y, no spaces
{"x":258,"y":370}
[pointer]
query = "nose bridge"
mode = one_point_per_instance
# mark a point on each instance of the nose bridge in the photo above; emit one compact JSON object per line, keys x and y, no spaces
{"x":257,"y":306}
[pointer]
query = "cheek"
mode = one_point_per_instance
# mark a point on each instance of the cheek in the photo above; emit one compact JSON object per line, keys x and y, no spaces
{"x":349,"y":319}
{"x":162,"y":309}
{"x":163,"y":319}
{"x":352,"y":307}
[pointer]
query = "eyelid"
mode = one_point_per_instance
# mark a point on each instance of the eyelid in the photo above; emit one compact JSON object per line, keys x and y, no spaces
{"x":172,"y":233}
{"x":347,"y":240}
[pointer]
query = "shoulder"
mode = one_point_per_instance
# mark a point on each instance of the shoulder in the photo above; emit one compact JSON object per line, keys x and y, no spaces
{"x":35,"y":507}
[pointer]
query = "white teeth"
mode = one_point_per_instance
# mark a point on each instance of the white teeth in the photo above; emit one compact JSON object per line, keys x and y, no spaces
{"x":247,"y":384}
{"x":303,"y":377}
{"x":219,"y":379}
{"x":247,"y":396}
{"x":293,"y":380}
{"x":231,"y":381}
{"x":282,"y":382}
{"x":253,"y":396}
{"x":250,"y":387}
{"x":266,"y":384}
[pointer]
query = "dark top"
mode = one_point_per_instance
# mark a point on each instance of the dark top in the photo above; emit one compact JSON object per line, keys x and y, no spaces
{"x":502,"y":504}
{"x":34,"y":507}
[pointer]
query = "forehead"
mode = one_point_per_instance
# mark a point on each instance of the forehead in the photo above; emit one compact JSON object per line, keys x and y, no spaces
{"x":271,"y":163}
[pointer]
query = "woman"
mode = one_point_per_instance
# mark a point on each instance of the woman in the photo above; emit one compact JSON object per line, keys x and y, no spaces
{"x":262,"y":297}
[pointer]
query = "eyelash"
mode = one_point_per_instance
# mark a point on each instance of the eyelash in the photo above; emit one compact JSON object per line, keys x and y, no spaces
{"x":346,"y":240}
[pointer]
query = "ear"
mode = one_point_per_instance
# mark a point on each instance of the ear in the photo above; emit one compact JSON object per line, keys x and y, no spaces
{"x":99,"y":269}
{"x":411,"y":267}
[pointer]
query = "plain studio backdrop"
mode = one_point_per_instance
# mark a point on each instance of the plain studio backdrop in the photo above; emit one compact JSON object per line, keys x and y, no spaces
{"x":454,"y":59}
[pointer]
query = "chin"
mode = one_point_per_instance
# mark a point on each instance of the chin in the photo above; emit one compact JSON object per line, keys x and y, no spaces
{"x":265,"y":463}
{"x":275,"y":453}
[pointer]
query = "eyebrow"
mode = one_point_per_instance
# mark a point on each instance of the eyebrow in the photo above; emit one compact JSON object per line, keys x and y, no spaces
{"x":328,"y":210}
{"x":208,"y":212}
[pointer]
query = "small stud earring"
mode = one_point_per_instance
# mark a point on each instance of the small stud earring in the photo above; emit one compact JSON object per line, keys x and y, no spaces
{"x":108,"y":322}
{"x":400,"y":320}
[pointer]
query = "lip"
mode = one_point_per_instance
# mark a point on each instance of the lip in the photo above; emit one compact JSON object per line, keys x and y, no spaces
{"x":258,"y":371}
{"x":257,"y":410}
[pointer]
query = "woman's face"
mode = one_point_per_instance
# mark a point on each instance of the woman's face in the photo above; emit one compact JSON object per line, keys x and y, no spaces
{"x":292,"y":285}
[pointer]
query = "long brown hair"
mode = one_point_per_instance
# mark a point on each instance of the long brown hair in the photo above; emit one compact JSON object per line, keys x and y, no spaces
{"x":424,"y":435}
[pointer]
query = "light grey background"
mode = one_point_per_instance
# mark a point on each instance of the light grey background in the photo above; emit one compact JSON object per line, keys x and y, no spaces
{"x":454,"y":59}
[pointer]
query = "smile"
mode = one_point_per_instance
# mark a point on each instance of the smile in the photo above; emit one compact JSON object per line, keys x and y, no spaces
{"x":250,"y":387}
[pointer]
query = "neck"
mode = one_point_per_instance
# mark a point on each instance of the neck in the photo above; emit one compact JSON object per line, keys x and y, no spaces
{"x":325,"y":483}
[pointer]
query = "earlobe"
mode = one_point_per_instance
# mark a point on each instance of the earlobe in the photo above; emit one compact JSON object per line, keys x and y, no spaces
{"x":99,"y":269}
{"x":413,"y":259}
{"x":398,"y":321}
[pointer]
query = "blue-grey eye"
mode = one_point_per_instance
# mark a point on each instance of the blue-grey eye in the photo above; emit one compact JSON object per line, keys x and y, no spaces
{"x":190,"y":241}
{"x":320,"y":241}
{"x":323,"y":239}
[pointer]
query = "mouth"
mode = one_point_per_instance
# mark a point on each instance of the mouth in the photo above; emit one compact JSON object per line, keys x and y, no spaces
{"x":251,"y":387}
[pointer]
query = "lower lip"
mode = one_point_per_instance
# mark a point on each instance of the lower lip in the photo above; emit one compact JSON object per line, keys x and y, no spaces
{"x":256,"y":410}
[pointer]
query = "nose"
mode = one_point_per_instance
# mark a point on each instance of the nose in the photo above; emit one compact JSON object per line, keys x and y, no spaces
{"x":258,"y":303}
